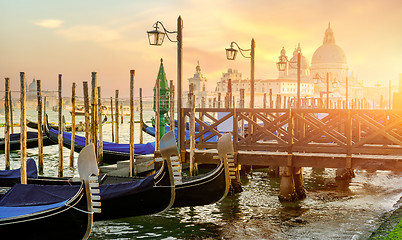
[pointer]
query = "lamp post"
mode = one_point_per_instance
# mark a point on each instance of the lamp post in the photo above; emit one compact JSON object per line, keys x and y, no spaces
{"x":231,"y":55}
{"x":156,"y":38}
{"x":283,"y":61}
{"x":317,"y":77}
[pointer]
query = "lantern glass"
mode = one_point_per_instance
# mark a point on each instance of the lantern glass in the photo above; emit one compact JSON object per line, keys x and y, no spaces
{"x":156,"y":37}
{"x":231,"y":53}
{"x":281,"y":65}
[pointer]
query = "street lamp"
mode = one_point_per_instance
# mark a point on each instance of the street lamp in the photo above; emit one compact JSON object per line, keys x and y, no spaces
{"x":231,"y":54}
{"x":317,"y":78}
{"x":283,"y":61}
{"x":156,"y":38}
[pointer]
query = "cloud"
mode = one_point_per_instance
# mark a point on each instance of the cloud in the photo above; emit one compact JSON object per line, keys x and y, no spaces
{"x":90,"y":33}
{"x":49,"y":23}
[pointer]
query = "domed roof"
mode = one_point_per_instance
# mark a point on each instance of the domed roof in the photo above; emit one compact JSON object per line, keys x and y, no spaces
{"x":329,"y":52}
{"x":32,"y":85}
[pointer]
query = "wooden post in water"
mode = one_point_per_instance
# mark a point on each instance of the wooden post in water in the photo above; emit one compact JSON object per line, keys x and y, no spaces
{"x":40,"y":126}
{"x":72,"y":125}
{"x":264,"y":101}
{"x":87,"y":119}
{"x":121,"y":112}
{"x":141,"y":119}
{"x":60,"y":132}
{"x":100,"y":149}
{"x":193,"y":166}
{"x":230,"y":94}
{"x":242,"y":106}
{"x":171,"y":95}
{"x":11,"y":113}
{"x":157,"y":114}
{"x":111,"y":114}
{"x":116,"y":103}
{"x":271,"y":102}
{"x":94,"y":113}
{"x":133,"y":164}
{"x":23,"y":131}
{"x":7,"y":150}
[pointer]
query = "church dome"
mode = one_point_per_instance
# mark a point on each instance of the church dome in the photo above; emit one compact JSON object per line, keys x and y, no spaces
{"x":329,"y":52}
{"x":32,"y":86}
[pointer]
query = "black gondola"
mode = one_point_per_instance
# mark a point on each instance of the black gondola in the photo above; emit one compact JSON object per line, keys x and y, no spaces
{"x":32,"y":141}
{"x":126,"y":196}
{"x":29,"y":211}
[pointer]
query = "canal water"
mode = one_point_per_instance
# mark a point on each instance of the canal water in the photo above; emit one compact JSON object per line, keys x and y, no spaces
{"x":332,"y":210}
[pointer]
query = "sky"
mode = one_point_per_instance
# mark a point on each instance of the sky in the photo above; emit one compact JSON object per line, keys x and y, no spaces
{"x":44,"y":38}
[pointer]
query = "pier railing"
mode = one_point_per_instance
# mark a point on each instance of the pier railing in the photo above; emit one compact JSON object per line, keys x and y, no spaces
{"x":347,"y":131}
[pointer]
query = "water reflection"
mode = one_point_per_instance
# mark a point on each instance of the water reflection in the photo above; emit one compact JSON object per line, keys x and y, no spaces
{"x":332,"y":210}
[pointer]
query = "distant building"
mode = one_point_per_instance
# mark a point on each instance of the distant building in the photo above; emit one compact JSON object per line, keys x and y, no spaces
{"x":330,"y":58}
{"x":285,"y":85}
{"x":199,"y":81}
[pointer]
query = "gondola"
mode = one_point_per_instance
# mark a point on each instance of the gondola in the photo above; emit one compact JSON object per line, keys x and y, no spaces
{"x":207,"y":188}
{"x":127,"y":196}
{"x":32,"y":141}
{"x":34,"y":125}
{"x":112,"y":152}
{"x":29,"y":211}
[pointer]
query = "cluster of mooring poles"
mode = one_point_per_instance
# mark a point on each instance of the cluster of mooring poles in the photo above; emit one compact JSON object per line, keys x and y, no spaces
{"x":93,"y":123}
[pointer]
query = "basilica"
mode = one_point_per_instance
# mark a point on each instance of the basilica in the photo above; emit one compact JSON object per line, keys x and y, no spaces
{"x":328,"y":74}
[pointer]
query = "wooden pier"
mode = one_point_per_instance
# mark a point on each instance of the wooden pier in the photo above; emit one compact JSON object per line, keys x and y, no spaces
{"x":291,"y":139}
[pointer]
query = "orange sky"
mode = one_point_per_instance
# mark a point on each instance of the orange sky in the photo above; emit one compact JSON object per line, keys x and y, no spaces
{"x":45,"y":38}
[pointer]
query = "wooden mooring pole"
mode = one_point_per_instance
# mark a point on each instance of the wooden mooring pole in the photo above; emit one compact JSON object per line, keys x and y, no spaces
{"x":193,"y":165}
{"x":11,"y":112}
{"x":133,"y":164}
{"x":72,"y":125}
{"x":171,"y":95}
{"x":157,"y":114}
{"x":141,"y":119}
{"x":60,"y":124}
{"x":112,"y":116}
{"x":23,"y":131}
{"x":87,"y":118}
{"x":117,"y":115}
{"x":7,"y":127}
{"x":94,"y":113}
{"x":40,"y":126}
{"x":100,"y":131}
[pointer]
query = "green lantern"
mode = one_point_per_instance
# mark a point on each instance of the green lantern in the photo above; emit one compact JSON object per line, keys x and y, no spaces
{"x":164,"y":99}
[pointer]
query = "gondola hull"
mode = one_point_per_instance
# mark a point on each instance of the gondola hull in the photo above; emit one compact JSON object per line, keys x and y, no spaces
{"x":32,"y":141}
{"x":121,"y":153}
{"x":64,"y":222}
{"x":204,"y":189}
